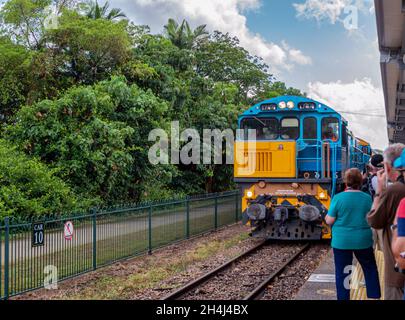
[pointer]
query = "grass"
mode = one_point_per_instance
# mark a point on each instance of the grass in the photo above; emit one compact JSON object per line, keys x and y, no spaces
{"x":27,"y":274}
{"x":151,"y":274}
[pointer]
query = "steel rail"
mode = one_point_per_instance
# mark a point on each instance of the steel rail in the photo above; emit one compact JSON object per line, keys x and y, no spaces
{"x":261,"y":288}
{"x":190,"y":286}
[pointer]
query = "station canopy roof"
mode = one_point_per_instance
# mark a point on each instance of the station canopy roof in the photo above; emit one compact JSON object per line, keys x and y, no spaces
{"x":391,"y":38}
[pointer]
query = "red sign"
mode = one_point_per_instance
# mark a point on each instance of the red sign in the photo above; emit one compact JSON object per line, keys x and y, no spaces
{"x":68,"y":230}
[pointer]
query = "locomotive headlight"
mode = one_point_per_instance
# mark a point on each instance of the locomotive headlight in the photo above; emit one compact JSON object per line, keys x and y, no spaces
{"x":282,"y":105}
{"x":290,"y":105}
{"x":249,"y":194}
{"x":323,"y":195}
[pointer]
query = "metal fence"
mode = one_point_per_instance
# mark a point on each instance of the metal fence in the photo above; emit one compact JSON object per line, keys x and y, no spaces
{"x":104,"y":236}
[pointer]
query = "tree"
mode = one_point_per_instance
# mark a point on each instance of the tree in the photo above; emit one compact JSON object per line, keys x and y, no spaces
{"x":183,"y":36}
{"x":95,"y":11}
{"x":91,"y":50}
{"x":223,"y":59}
{"x":277,"y":89}
{"x":14,"y":77}
{"x":24,"y":20}
{"x":96,"y":138}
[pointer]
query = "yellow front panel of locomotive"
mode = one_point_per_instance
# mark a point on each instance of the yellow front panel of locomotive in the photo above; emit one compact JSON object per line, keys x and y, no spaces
{"x":265,"y":159}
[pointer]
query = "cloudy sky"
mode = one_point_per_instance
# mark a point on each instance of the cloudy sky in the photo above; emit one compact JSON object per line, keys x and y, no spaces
{"x":327,"y":48}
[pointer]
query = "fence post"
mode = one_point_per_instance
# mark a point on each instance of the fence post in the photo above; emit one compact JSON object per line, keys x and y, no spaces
{"x":188,"y":218}
{"x":6,"y":257}
{"x":237,"y":208}
{"x":150,"y":229}
{"x":94,"y":213}
{"x":216,"y":211}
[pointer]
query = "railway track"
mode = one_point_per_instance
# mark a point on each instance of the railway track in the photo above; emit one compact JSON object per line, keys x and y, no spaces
{"x":259,"y":291}
{"x":220,"y":279}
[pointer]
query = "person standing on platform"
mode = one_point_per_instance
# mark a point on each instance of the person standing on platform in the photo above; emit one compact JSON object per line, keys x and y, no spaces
{"x":398,"y":229}
{"x":370,"y":186}
{"x":371,"y":183}
{"x":351,"y":235}
{"x":382,"y":217}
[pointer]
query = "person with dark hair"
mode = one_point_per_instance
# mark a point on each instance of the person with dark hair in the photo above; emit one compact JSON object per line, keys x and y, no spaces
{"x":370,"y":185}
{"x":351,"y":235}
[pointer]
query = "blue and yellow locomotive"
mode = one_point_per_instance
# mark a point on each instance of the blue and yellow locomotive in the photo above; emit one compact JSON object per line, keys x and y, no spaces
{"x":290,"y":156}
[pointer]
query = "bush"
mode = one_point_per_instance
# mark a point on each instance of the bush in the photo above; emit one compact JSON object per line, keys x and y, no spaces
{"x":28,"y":188}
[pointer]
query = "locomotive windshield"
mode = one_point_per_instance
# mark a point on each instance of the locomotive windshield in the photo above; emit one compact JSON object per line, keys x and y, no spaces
{"x":310,"y":129}
{"x":266,"y":129}
{"x":290,"y":129}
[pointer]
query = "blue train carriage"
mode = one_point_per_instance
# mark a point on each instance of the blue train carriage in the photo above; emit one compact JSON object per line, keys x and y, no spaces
{"x":291,"y":168}
{"x":364,"y":152}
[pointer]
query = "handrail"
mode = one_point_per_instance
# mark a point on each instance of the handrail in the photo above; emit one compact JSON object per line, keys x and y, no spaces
{"x":318,"y":145}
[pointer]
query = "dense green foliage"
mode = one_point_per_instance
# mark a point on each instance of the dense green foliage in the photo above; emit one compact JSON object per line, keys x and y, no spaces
{"x":29,"y":188}
{"x":96,"y":137}
{"x":77,"y":103}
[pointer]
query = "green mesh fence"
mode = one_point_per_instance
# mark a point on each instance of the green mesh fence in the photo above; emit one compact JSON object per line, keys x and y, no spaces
{"x":102,"y":237}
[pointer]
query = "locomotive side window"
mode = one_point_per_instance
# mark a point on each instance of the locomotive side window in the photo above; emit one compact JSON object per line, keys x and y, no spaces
{"x":266,"y":128}
{"x":290,"y":129}
{"x":330,"y":129}
{"x":344,"y":136}
{"x":310,"y":129}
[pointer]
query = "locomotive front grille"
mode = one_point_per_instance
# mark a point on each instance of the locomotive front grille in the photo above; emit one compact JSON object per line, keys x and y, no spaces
{"x":265,"y":160}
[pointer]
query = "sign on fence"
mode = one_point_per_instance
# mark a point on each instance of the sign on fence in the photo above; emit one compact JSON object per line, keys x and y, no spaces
{"x":38,"y":234}
{"x":68,"y":230}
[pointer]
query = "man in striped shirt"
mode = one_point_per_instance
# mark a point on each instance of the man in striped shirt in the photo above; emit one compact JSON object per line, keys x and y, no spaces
{"x":398,"y":243}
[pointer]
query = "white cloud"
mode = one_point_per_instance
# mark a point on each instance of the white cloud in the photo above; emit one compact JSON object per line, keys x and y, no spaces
{"x":360,"y":96}
{"x":331,"y":10}
{"x":295,"y":55}
{"x":225,"y":16}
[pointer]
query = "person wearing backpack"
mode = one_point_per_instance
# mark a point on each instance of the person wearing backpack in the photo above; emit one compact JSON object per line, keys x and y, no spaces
{"x":371,"y":183}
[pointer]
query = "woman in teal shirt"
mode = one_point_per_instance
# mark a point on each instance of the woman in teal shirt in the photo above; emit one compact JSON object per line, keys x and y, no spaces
{"x":351,"y":235}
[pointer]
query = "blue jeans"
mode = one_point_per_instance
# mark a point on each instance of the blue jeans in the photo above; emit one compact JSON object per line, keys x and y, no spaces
{"x":366,"y":258}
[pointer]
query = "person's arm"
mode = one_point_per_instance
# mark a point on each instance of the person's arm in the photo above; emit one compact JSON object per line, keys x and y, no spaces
{"x":379,"y":216}
{"x":398,"y":234}
{"x":330,"y":218}
{"x":398,"y":249}
{"x":374,"y":183}
{"x":381,"y":187}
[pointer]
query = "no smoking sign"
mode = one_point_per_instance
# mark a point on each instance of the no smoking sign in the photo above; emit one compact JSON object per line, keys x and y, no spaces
{"x":68,"y":230}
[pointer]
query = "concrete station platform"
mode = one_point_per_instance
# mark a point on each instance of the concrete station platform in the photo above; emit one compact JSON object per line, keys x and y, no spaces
{"x":321,"y":284}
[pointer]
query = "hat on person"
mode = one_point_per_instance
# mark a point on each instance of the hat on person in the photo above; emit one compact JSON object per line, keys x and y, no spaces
{"x":377,"y":161}
{"x":400,"y":162}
